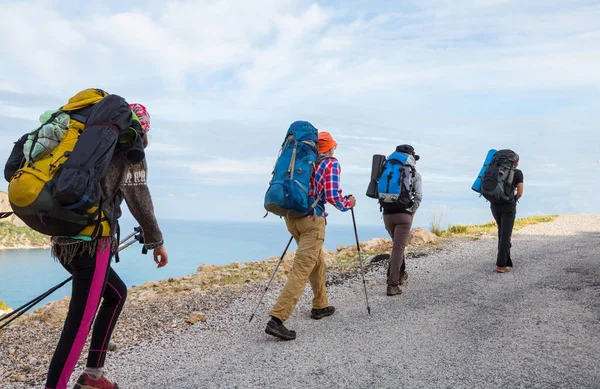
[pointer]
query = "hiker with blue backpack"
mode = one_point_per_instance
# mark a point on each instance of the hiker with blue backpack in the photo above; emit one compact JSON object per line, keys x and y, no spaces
{"x":306,"y":176}
{"x":501,"y":183}
{"x":67,"y":179}
{"x":397,"y":185}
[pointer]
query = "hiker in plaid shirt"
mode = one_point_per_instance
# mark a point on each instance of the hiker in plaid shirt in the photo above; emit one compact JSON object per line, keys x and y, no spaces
{"x":309,"y":233}
{"x":326,"y":182}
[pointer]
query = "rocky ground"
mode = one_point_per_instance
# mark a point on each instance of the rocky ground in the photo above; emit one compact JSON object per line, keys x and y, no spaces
{"x":170,"y":307}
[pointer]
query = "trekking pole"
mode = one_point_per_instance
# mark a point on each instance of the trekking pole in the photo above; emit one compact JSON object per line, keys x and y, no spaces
{"x":5,"y":214}
{"x":362,"y":270}
{"x":272,"y":276}
{"x":123,"y":244}
{"x":27,"y":306}
{"x":125,"y":239}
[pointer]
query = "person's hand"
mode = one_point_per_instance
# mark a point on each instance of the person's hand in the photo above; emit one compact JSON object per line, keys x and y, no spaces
{"x":161,"y":257}
{"x":352,"y":201}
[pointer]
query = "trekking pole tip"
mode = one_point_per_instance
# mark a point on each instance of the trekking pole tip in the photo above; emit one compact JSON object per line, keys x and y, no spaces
{"x":251,"y":317}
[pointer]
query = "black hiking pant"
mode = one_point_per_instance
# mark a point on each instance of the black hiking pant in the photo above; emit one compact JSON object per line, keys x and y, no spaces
{"x":505,"y":218}
{"x":94,"y":281}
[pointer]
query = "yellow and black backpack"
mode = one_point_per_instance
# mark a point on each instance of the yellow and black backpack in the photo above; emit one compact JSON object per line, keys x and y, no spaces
{"x":55,"y":172}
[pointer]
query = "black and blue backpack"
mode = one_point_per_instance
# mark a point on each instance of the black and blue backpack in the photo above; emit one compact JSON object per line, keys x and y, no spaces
{"x":289,"y":189}
{"x":495,"y":179}
{"x":395,"y":186}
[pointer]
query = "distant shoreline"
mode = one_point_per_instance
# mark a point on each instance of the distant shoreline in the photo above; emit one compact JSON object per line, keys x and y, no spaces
{"x":25,"y":248}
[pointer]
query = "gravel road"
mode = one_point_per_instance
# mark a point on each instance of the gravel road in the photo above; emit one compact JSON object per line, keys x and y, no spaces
{"x":458,"y":324}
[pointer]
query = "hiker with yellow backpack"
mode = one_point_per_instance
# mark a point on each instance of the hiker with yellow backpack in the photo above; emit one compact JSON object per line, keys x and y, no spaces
{"x":67,"y":179}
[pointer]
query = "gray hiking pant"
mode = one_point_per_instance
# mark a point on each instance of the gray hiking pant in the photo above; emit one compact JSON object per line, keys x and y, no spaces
{"x":398,"y":226}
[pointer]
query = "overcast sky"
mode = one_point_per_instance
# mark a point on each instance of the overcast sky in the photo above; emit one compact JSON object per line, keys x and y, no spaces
{"x":223,"y":80}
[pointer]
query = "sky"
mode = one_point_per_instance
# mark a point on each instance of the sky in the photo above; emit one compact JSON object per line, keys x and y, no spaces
{"x":223,"y":80}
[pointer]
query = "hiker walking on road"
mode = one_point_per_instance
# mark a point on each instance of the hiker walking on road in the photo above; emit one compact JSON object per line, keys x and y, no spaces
{"x":504,"y":213}
{"x":94,"y":280}
{"x":501,"y":183}
{"x":398,"y":216}
{"x":309,"y":233}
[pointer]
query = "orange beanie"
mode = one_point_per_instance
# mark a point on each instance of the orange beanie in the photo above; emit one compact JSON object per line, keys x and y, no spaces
{"x":326,"y":142}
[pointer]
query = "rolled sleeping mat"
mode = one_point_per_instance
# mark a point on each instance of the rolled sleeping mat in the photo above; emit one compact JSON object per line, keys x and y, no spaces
{"x":479,"y":180}
{"x":376,"y":169}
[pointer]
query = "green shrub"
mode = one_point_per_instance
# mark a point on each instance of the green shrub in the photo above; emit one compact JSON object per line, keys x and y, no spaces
{"x":458,"y":229}
{"x":11,"y":234}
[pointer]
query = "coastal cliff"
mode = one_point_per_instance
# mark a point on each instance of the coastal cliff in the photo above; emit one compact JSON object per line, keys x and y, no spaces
{"x":14,"y":234}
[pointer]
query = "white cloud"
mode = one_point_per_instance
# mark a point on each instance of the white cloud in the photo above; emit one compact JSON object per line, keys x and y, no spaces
{"x":226,"y":166}
{"x":223,"y":80}
{"x":167,"y":149}
{"x":271,"y":50}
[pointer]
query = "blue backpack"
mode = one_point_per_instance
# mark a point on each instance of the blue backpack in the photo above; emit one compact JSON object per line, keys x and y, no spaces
{"x":395,"y":186}
{"x":479,"y":180}
{"x":288,"y":193}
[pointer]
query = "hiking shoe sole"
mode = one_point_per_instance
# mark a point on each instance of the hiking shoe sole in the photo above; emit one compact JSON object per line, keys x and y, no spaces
{"x":318,"y":314}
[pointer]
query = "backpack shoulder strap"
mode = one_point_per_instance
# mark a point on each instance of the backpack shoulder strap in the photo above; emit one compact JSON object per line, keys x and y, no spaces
{"x":320,"y":160}
{"x":81,"y":115}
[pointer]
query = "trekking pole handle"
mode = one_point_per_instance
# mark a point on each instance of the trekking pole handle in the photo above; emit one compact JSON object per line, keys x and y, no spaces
{"x":347,"y":197}
{"x":140,"y":238}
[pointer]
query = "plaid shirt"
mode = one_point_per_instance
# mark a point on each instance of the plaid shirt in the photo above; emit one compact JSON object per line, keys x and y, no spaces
{"x":325,"y":183}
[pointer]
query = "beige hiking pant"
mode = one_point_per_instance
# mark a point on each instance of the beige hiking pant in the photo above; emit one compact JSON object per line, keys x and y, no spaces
{"x":309,"y":265}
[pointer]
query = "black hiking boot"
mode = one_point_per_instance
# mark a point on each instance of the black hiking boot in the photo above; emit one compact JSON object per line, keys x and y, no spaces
{"x":318,"y":314}
{"x":393,"y":290}
{"x":279,"y":331}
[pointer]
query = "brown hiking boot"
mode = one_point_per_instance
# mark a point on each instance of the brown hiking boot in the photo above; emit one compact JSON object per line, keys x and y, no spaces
{"x":393,"y":290}
{"x":403,"y":278}
{"x":502,"y":269}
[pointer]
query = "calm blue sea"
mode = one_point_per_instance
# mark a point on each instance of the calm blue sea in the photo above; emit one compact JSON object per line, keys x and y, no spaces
{"x":25,"y":274}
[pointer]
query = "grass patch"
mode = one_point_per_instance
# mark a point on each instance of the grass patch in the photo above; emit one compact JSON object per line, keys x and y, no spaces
{"x":457,"y":230}
{"x":435,"y":222}
{"x":528,"y":221}
{"x":486,"y":228}
{"x":3,"y":306}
